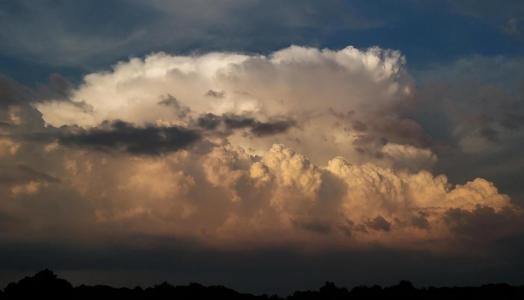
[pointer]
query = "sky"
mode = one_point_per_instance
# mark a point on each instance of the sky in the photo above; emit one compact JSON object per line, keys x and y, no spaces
{"x":267,"y":145}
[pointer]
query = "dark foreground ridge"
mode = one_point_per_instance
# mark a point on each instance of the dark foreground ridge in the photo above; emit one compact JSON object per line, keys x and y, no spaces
{"x":46,"y":285}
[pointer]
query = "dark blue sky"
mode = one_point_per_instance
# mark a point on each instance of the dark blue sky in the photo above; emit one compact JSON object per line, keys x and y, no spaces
{"x":74,"y":37}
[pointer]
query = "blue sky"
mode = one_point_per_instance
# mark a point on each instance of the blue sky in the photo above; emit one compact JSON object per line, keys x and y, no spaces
{"x":75,"y":37}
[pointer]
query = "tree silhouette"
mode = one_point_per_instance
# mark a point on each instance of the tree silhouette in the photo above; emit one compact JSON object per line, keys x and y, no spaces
{"x":45,"y":284}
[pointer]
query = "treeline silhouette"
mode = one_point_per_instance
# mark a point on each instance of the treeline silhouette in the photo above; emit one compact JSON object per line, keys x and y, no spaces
{"x":45,"y":284}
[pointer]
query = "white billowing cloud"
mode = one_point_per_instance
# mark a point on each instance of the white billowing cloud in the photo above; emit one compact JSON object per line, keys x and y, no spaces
{"x":296,"y":181}
{"x":228,"y":197}
{"x":289,"y":81}
{"x":350,"y":170}
{"x":325,"y":92}
{"x":392,"y":192}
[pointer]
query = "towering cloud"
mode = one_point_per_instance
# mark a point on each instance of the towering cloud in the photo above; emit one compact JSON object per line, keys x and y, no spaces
{"x":310,"y":88}
{"x":301,"y":146}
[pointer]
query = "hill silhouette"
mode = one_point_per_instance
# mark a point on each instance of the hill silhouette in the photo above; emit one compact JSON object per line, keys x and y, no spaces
{"x":46,"y":284}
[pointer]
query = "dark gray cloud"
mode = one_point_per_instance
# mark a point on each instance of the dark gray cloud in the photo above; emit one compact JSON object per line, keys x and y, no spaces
{"x":57,"y":87}
{"x":420,"y":221}
{"x":256,"y":127}
{"x":237,"y":122}
{"x":316,"y":227}
{"x":173,"y":103}
{"x":379,"y":223}
{"x":482,"y":223}
{"x":359,"y":126}
{"x":209,"y":121}
{"x":16,"y":111}
{"x":405,"y":131}
{"x":270,"y":128}
{"x":490,"y":134}
{"x":231,"y":122}
{"x":375,"y":130}
{"x":119,"y":135}
{"x":512,"y":120}
{"x":215,"y":94}
{"x":12,"y":93}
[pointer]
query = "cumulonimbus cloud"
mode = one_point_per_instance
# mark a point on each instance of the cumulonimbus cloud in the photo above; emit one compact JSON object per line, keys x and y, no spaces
{"x":301,"y":145}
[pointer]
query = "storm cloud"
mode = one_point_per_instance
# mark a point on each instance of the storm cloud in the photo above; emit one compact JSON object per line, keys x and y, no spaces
{"x":210,"y":121}
{"x":119,"y":135}
{"x":312,"y":143}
